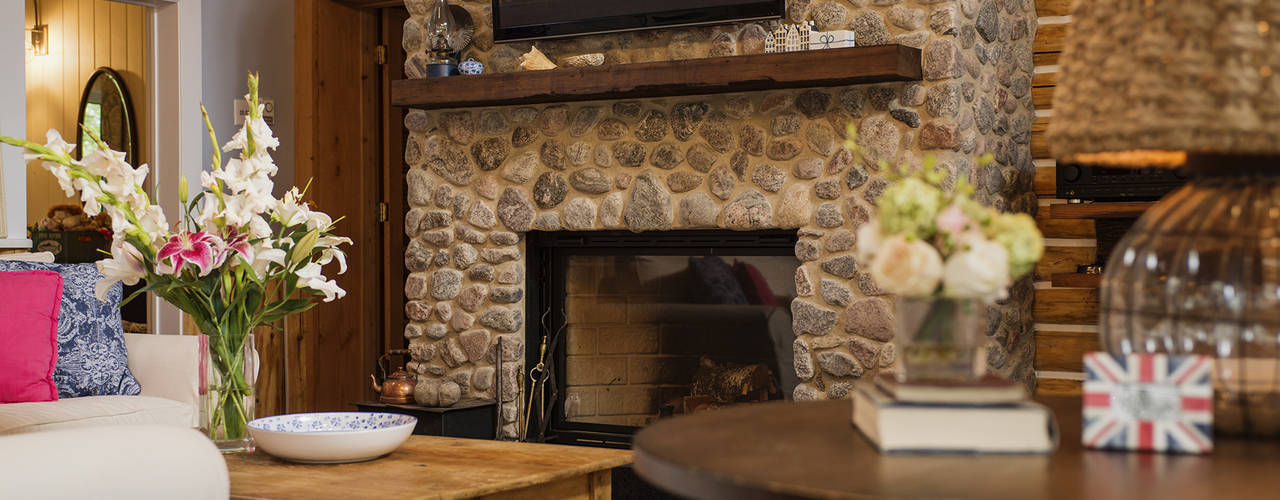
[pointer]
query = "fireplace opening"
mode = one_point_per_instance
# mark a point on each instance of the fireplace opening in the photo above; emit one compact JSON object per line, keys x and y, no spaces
{"x":641,"y":326}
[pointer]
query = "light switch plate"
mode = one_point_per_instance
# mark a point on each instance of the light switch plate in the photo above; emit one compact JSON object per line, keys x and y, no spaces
{"x":268,"y":111}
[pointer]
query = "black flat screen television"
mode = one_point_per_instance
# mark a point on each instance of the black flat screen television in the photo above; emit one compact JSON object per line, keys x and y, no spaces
{"x":522,"y":20}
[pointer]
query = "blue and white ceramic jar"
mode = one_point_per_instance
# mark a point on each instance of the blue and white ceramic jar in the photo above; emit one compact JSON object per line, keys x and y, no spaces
{"x":471,"y":67}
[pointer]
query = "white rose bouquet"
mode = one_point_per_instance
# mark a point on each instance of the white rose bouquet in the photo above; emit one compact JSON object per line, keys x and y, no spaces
{"x":929,"y":241}
{"x":239,"y":258}
{"x":944,"y":255}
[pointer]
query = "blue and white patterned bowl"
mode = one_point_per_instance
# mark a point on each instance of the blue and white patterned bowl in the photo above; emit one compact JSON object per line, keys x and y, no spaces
{"x":331,"y":438}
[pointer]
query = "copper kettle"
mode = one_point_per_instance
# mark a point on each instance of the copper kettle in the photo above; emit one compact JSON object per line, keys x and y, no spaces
{"x":396,"y":388}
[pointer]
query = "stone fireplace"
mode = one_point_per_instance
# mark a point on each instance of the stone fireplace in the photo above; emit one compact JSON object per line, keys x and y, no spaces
{"x":484,"y":182}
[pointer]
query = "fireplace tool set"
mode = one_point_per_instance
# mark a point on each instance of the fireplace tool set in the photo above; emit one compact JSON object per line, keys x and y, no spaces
{"x":539,"y":375}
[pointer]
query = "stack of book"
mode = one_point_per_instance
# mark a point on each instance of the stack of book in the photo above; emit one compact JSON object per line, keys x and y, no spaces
{"x":991,"y":415}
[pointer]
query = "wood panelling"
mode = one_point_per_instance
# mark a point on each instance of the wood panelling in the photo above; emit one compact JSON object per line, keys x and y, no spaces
{"x":83,"y":36}
{"x":1050,"y":37}
{"x":1067,"y":306}
{"x":1046,"y":181}
{"x":1063,"y":351}
{"x":333,"y":347}
{"x":1063,"y":228}
{"x":1061,"y":302}
{"x":1045,"y":58}
{"x":1040,"y":139}
{"x":1047,"y":79}
{"x":1045,"y":8}
{"x":1042,"y":97}
{"x":1075,"y":280}
{"x":1039,"y":145}
{"x":1064,"y":259}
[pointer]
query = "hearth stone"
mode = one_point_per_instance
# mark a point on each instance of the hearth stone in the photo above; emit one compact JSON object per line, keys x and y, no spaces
{"x":871,"y":318}
{"x":810,"y":319}
{"x":803,"y":361}
{"x":650,"y":206}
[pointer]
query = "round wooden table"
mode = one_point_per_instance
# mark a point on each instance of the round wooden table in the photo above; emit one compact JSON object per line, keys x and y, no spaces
{"x":811,"y":450}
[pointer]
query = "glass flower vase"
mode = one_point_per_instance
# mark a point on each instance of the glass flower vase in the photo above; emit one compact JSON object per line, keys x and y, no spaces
{"x":940,"y":339}
{"x":227,"y":388}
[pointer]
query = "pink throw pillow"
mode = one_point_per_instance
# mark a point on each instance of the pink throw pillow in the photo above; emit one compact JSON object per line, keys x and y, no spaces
{"x":754,"y":284}
{"x":29,"y":302}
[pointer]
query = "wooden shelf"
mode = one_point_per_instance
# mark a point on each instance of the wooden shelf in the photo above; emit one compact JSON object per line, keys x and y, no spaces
{"x":1076,"y":280}
{"x":1112,"y":210}
{"x":718,"y":75}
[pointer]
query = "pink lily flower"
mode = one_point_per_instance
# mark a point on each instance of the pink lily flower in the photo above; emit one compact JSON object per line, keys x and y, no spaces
{"x":195,"y":248}
{"x":236,"y":242}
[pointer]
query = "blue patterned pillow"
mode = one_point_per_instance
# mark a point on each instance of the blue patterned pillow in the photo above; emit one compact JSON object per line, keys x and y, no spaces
{"x":92,"y":360}
{"x":718,"y":284}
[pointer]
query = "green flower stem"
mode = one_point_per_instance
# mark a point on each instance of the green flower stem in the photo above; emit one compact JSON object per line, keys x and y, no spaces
{"x":937,"y":320}
{"x":230,"y":413}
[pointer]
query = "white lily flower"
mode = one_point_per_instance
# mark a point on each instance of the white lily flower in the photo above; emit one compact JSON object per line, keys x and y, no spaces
{"x":309,"y":277}
{"x":290,"y":210}
{"x":125,"y":265}
{"x":265,"y":257}
{"x":329,"y":254}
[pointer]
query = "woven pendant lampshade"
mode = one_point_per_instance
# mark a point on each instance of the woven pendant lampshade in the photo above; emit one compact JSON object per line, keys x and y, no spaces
{"x":1191,"y":84}
{"x":1144,"y":80}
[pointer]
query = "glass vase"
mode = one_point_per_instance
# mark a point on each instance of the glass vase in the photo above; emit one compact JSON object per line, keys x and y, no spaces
{"x":1199,"y":273}
{"x":940,"y":339}
{"x":228,"y":404}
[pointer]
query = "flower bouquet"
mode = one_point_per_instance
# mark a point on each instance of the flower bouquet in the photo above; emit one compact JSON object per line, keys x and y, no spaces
{"x":239,"y":258}
{"x":946,"y":257}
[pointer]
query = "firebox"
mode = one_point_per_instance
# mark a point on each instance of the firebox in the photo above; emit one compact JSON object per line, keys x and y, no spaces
{"x":641,"y":326}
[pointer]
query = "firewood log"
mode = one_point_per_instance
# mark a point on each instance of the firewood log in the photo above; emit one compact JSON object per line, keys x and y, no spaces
{"x":728,"y":383}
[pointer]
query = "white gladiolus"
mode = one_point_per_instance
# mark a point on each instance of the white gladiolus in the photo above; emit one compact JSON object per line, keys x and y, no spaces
{"x":89,"y":193}
{"x":907,"y":268}
{"x":60,"y":147}
{"x":980,"y":270}
{"x":237,"y":241}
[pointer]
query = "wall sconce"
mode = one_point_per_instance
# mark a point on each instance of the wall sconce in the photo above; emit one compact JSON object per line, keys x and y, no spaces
{"x":38,"y":35}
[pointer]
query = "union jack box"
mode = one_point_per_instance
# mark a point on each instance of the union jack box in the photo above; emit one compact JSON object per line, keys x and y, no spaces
{"x":1148,"y":402}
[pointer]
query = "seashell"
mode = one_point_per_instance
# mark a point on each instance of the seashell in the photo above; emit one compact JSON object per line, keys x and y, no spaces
{"x":535,"y":60}
{"x":594,"y":59}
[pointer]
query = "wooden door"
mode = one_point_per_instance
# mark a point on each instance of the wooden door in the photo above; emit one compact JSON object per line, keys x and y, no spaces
{"x":394,"y":168}
{"x":333,"y":348}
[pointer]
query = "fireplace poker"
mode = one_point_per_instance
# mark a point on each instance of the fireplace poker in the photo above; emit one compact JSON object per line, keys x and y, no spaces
{"x":537,"y":387}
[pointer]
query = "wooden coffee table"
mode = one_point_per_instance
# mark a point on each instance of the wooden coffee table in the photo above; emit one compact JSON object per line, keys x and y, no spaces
{"x":810,"y":450}
{"x":438,"y":468}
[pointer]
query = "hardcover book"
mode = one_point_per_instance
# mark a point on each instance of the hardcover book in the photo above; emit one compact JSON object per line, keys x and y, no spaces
{"x":901,"y":427}
{"x":987,"y":390}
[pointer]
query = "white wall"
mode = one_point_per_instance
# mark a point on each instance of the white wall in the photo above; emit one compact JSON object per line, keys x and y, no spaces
{"x":240,"y":36}
{"x":13,"y":123}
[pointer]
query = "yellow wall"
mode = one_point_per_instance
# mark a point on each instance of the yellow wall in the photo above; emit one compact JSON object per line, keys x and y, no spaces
{"x":83,"y":36}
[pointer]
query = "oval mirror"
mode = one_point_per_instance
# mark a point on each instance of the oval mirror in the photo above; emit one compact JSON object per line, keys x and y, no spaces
{"x":107,"y":112}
